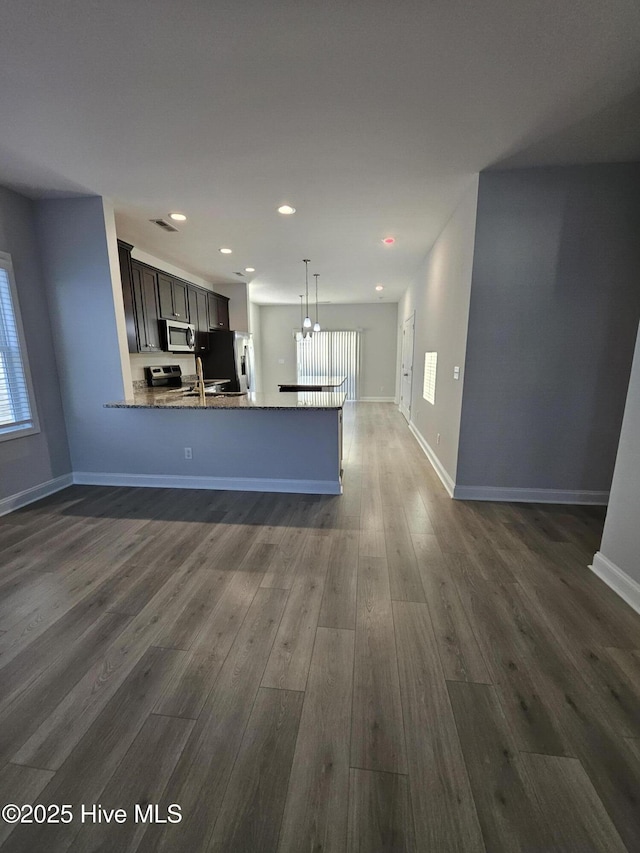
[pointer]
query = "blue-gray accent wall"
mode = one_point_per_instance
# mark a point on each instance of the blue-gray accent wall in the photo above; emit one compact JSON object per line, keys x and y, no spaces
{"x":32,"y":461}
{"x":554,"y":309}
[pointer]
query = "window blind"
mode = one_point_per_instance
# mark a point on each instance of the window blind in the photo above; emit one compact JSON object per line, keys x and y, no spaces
{"x":430,"y":369}
{"x":331,"y":354}
{"x":16,"y":411}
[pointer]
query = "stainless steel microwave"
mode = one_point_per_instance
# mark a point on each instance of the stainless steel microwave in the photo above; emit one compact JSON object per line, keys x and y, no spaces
{"x":178,"y":337}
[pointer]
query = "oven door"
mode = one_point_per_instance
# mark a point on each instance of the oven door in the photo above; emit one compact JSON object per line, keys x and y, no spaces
{"x":179,"y":337}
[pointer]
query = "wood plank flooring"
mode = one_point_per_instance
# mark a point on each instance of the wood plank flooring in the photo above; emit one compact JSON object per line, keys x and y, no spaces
{"x":387,"y":670}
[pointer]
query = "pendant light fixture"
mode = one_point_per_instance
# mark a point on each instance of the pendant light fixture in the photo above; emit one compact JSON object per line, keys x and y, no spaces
{"x":307,"y":320}
{"x":300,"y":335}
{"x":316,"y":327}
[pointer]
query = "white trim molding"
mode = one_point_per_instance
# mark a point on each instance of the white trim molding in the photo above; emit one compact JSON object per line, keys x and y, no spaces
{"x":447,"y":482}
{"x":626,"y":587}
{"x":542,"y":496}
{"x":376,"y":400}
{"x":236,"y":484}
{"x":35,"y":493}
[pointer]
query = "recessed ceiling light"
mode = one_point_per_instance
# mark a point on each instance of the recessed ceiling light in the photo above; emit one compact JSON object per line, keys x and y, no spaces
{"x":286,"y":209}
{"x":179,"y":217}
{"x":379,"y":287}
{"x":249,"y":269}
{"x":389,"y":241}
{"x":226,"y":251}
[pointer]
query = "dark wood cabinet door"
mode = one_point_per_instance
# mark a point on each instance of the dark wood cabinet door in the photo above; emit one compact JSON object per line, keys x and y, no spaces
{"x":126,"y":275}
{"x":202,"y":327}
{"x":180,"y":304}
{"x":199,"y":317}
{"x":165,"y":296}
{"x":218,"y":312}
{"x":173,"y":299}
{"x":203,"y":311}
{"x":138,"y":303}
{"x":151,"y":327}
{"x":146,"y":308}
{"x":223,"y":313}
{"x":212,"y":300}
{"x":192,"y":305}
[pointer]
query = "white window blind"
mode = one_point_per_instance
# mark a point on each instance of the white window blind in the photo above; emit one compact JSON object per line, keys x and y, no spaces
{"x":17,"y":410}
{"x":331,"y":354}
{"x":430,"y":369}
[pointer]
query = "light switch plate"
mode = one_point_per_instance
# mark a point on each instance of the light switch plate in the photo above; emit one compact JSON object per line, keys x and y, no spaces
{"x":456,"y":373}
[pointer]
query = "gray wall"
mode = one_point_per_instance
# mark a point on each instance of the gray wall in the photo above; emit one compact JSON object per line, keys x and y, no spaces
{"x":555,"y":301}
{"x":440,"y":299}
{"x":78,"y":274}
{"x":621,"y":537}
{"x":378,"y":341}
{"x":35,"y":459}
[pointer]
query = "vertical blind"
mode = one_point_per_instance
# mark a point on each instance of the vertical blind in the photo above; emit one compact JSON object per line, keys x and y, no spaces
{"x":331,"y":354}
{"x":15,"y":405}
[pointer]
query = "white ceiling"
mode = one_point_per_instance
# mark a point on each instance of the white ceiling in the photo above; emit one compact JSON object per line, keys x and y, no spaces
{"x":369,"y":117}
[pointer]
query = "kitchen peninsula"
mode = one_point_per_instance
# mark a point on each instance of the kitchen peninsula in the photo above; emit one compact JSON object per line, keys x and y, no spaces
{"x":279,"y":442}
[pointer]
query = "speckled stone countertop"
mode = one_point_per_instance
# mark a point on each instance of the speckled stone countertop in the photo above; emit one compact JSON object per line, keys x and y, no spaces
{"x":175,"y":398}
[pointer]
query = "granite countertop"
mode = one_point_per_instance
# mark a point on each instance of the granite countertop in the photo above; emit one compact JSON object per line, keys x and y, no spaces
{"x":175,"y":398}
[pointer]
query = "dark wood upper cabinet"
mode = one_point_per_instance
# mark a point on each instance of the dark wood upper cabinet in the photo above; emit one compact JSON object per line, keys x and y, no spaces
{"x":149,"y":295}
{"x":145,"y":293}
{"x":213,"y":311}
{"x":180,"y":302}
{"x":223,"y":312}
{"x":218,"y":312}
{"x":124,"y":256}
{"x":199,"y":316}
{"x":172,"y":296}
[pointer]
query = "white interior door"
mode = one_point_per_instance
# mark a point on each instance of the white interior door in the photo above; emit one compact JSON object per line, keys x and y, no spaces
{"x":406,"y":371}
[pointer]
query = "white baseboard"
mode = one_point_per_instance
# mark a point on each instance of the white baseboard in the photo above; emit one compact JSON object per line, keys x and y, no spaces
{"x":447,"y":482}
{"x":235,"y":484}
{"x":35,"y":493}
{"x":546,"y":496}
{"x":376,"y":400}
{"x":619,"y":581}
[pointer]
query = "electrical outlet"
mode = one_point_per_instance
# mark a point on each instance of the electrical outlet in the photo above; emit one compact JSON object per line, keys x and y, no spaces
{"x":438,"y":438}
{"x":188,"y":454}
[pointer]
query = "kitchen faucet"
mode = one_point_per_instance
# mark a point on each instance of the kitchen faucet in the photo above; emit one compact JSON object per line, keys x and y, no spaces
{"x":199,"y":383}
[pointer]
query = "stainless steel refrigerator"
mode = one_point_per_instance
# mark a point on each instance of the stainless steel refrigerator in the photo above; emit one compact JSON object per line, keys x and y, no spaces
{"x":230,"y":356}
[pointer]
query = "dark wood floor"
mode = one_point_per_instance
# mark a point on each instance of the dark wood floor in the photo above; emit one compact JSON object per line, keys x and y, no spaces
{"x":387,"y":670}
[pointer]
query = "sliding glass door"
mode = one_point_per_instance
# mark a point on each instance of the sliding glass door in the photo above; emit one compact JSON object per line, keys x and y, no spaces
{"x":330,"y":354}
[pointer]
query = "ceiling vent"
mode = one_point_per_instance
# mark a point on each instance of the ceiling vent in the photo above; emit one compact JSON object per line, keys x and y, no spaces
{"x":162,"y":223}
